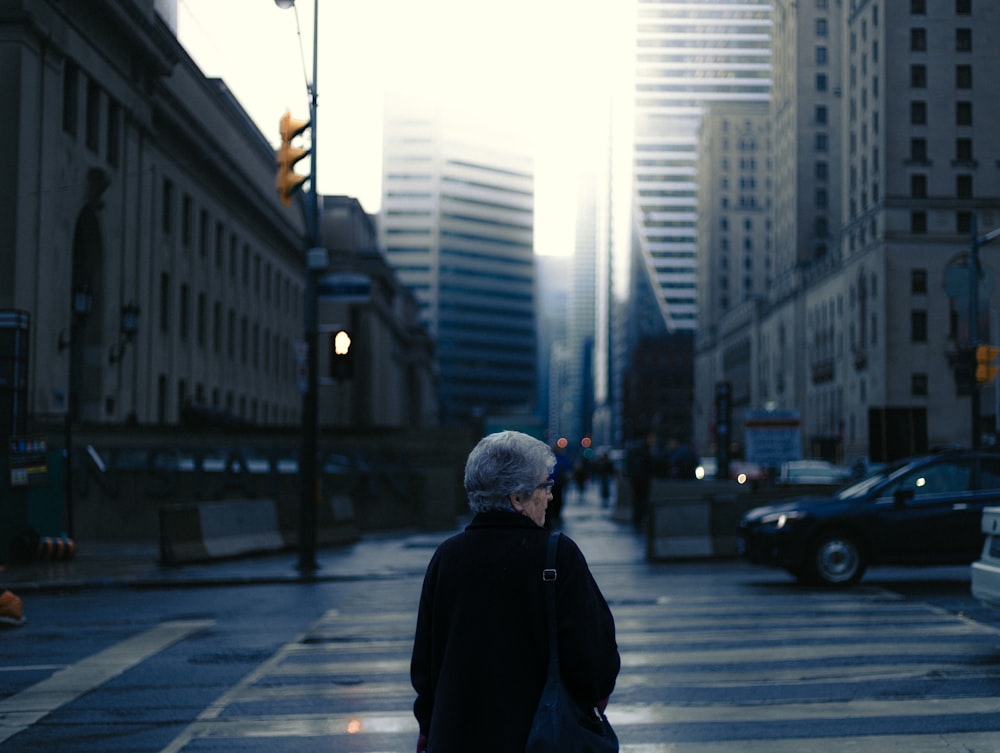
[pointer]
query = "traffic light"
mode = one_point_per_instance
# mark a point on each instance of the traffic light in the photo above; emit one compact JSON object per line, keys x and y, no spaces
{"x":341,"y":355}
{"x":986,"y":366}
{"x":287,"y":182}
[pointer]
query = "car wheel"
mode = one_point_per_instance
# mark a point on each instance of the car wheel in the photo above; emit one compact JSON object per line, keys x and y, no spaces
{"x":836,"y":559}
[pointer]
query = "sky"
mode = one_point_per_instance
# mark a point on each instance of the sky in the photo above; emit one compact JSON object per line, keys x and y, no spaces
{"x":538,"y":69}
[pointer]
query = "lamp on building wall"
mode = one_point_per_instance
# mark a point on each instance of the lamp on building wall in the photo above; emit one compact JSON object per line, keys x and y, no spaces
{"x":129,"y":328}
{"x":82,"y":304}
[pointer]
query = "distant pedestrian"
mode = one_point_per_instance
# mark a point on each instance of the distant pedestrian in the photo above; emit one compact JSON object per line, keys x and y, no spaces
{"x":560,"y":478}
{"x":581,"y":474}
{"x":604,"y":469}
{"x":639,"y":465}
{"x":480,"y":652}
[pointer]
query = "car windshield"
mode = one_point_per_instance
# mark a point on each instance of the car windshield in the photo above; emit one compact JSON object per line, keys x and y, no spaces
{"x":865,"y":485}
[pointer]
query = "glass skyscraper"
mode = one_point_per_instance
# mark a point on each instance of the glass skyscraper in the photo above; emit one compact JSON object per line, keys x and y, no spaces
{"x":689,"y":54}
{"x":457,"y":225}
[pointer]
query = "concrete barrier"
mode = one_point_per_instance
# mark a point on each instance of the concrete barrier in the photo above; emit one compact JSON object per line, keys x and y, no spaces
{"x":698,"y":519}
{"x":201,"y":531}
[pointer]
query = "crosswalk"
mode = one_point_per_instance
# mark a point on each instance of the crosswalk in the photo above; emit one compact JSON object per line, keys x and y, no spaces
{"x":858,"y":671}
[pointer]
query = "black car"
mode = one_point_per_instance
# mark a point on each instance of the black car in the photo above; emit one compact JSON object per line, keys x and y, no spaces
{"x":925,"y":510}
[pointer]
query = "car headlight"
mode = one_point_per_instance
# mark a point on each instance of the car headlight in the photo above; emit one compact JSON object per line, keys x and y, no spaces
{"x":781,"y":519}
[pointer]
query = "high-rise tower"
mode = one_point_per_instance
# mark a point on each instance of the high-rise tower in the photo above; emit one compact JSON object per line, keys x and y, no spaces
{"x":689,"y":54}
{"x":457,"y":225}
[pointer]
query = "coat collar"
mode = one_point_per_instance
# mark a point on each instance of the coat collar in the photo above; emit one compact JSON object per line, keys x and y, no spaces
{"x":501,"y":519}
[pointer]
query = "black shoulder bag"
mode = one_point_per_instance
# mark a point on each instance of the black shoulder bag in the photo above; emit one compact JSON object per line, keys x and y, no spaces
{"x":561,"y":725}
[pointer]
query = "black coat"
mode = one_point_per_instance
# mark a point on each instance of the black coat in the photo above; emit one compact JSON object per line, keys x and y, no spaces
{"x":480,"y":653}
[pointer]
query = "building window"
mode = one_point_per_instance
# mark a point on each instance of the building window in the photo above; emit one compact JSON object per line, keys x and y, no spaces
{"x":821,"y":142}
{"x":963,"y":7}
{"x":167,"y":219}
{"x":963,"y":223}
{"x":231,"y":334}
{"x":918,"y":186}
{"x":963,"y":113}
{"x":244,"y":343}
{"x":963,"y":40}
{"x":821,"y":114}
{"x":918,"y":326}
{"x":820,"y":27}
{"x":918,"y":76}
{"x":963,"y":76}
{"x":71,"y":98}
{"x":918,"y":113}
{"x":918,"y":150}
{"x":821,"y":55}
{"x":186,"y":210}
{"x":114,"y":133}
{"x":217,"y":327}
{"x":821,"y":82}
{"x":963,"y":186}
{"x":918,"y":281}
{"x":220,"y":242}
{"x":164,"y":302}
{"x":918,"y":385}
{"x":918,"y":7}
{"x":202,"y":323}
{"x":93,"y":135}
{"x":822,"y":198}
{"x":183,"y":318}
{"x":204,"y":231}
{"x":963,"y":150}
{"x":918,"y":222}
{"x":821,"y":171}
{"x":918,"y":40}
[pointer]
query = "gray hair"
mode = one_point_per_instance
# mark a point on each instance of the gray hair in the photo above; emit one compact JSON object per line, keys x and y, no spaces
{"x":502,"y":464}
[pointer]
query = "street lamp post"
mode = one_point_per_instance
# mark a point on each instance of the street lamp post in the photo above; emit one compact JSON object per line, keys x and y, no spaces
{"x":82,"y":303}
{"x":315,"y":262}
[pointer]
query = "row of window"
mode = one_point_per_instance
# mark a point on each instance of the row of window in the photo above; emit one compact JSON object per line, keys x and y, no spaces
{"x":962,"y":7}
{"x":247,"y":408}
{"x":918,"y":222}
{"x":258,"y":348}
{"x":918,"y":39}
{"x":97,"y":110}
{"x":258,"y":275}
{"x":963,"y":186}
{"x":918,"y":76}
{"x":963,"y":151}
{"x":918,"y":113}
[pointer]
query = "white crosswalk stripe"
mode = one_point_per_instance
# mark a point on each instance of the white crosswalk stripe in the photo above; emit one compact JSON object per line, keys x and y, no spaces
{"x":859,"y":671}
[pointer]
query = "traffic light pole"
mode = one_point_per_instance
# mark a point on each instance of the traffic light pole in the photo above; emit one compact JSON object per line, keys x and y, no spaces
{"x":974,"y":245}
{"x":315,"y":262}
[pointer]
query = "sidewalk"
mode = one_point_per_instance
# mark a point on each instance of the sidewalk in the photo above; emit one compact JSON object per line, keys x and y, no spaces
{"x":602,"y":534}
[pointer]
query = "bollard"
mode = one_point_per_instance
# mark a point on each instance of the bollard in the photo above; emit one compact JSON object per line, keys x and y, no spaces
{"x":55,"y":548}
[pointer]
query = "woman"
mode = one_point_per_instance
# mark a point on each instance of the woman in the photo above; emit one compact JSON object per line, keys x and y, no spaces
{"x":480,"y":654}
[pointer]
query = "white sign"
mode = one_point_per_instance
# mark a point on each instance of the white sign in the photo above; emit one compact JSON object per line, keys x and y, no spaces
{"x":772,"y":437}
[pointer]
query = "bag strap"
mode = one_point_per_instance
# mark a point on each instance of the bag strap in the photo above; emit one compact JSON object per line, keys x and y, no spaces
{"x":549,"y":575}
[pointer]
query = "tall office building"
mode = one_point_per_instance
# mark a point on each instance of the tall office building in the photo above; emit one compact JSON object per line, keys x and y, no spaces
{"x":457,"y":225}
{"x":689,"y":54}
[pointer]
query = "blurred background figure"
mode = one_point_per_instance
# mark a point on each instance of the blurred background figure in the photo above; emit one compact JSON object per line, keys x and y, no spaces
{"x":560,"y":477}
